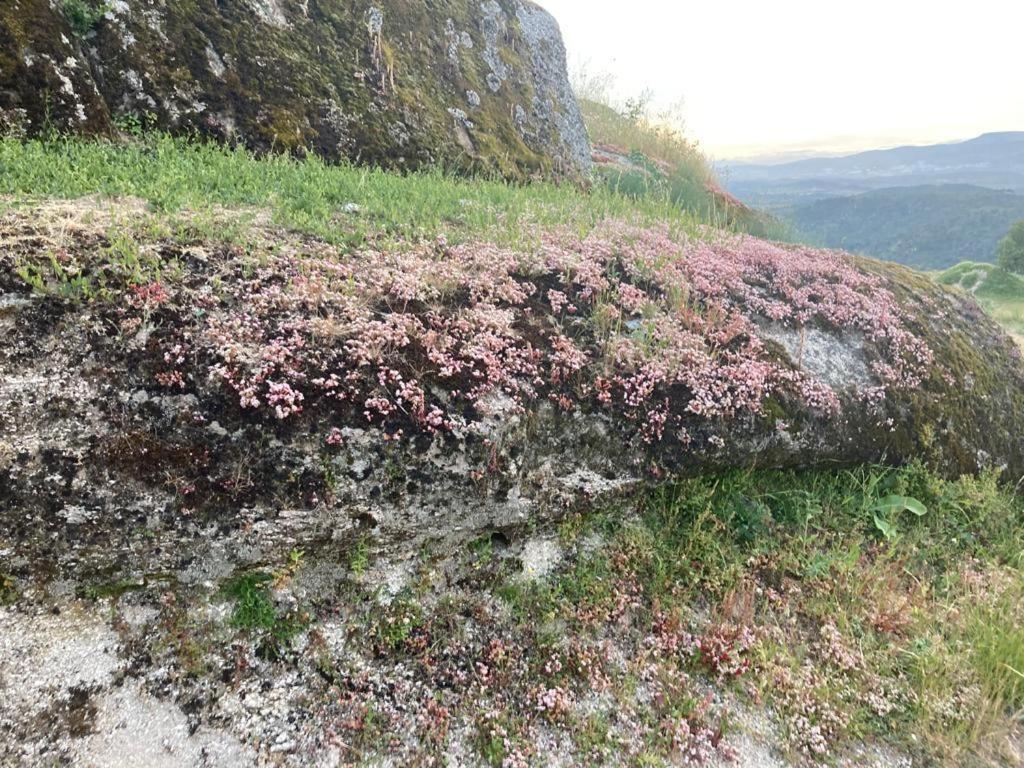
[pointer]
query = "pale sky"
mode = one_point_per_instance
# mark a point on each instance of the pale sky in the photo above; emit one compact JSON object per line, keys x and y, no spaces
{"x":763,"y":76}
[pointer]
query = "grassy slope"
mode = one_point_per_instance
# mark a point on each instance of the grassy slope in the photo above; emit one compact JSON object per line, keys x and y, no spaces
{"x":678,"y":158}
{"x":1001,"y":293}
{"x":311,"y":196}
{"x":915,"y":638}
{"x":663,"y":165}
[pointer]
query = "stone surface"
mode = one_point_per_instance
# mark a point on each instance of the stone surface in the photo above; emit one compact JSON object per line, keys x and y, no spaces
{"x":129,"y":501}
{"x":113,"y":471}
{"x":371,"y":82}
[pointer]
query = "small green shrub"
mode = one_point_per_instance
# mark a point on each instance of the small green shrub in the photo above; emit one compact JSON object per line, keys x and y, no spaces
{"x":359,"y":556}
{"x":887,"y":510}
{"x":1011,"y":249}
{"x":83,"y":16}
{"x":396,"y":623}
{"x":8,"y":590}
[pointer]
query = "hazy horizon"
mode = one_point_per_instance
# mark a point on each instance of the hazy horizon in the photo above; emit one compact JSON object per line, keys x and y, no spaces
{"x":841,"y":147}
{"x":800,"y":77}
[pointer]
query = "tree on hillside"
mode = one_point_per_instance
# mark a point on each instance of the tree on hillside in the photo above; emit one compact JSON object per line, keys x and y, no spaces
{"x":1011,"y":249}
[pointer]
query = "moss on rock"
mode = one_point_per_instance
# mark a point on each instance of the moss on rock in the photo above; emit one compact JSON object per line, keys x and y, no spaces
{"x":974,"y":395}
{"x":293,"y":393}
{"x":45,"y":82}
{"x":470,"y":87}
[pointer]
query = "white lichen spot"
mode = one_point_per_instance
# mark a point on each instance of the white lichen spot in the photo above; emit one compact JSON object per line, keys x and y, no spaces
{"x":456,"y":40}
{"x":495,"y":27}
{"x":116,"y":8}
{"x":269,"y":12}
{"x":66,"y":86}
{"x":215,"y":62}
{"x":75,"y":514}
{"x":459,"y":115}
{"x":540,"y":557}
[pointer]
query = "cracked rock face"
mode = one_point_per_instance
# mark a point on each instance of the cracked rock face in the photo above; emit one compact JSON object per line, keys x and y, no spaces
{"x":370,"y":82}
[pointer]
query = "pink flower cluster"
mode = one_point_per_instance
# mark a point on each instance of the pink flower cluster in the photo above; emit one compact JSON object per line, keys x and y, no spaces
{"x":723,"y":650}
{"x":660,"y":329}
{"x":694,"y":743}
{"x":554,"y":703}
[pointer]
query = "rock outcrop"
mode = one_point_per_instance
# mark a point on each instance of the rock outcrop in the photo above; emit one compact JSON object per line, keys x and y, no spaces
{"x":468,"y":85}
{"x":232,"y":470}
{"x":194,"y":408}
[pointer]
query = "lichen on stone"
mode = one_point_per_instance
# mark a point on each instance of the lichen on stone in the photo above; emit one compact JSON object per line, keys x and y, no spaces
{"x":276,"y":77}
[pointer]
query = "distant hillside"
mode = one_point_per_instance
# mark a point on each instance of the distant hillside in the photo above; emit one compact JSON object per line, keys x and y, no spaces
{"x":930,"y":227}
{"x":994,"y":160}
{"x":1000,"y":292}
{"x":986,"y":281}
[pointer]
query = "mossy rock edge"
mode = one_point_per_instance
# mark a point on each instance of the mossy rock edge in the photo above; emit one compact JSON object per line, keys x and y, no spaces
{"x":470,"y":87}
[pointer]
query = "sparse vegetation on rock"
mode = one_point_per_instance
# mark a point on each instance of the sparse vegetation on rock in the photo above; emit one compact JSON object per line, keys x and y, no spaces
{"x":83,"y":15}
{"x":306,"y":463}
{"x":199,"y":395}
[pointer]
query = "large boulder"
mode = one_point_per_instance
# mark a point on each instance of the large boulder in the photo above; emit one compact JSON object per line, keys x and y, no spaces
{"x":463,"y":84}
{"x":190,"y":408}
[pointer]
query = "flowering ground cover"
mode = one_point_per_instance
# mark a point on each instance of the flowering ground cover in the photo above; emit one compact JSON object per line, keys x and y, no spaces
{"x":663,"y":328}
{"x":395,"y":468}
{"x":625,"y":318}
{"x":755,"y":618}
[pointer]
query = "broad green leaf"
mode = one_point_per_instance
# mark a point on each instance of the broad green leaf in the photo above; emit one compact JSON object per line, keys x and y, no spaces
{"x":888,"y":529}
{"x":901,"y":503}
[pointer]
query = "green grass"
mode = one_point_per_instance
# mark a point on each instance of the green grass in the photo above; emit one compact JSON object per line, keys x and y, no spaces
{"x":987,"y":281}
{"x":995,"y":634}
{"x":932,"y":612}
{"x":700,"y":533}
{"x":664,"y":165}
{"x":663,"y":152}
{"x":174,"y":175}
{"x":1000,"y":293}
{"x":255,"y":613}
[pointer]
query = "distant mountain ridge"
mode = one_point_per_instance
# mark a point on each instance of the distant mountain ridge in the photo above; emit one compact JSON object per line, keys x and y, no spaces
{"x":993,"y":160}
{"x":926,"y":206}
{"x":991,"y":152}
